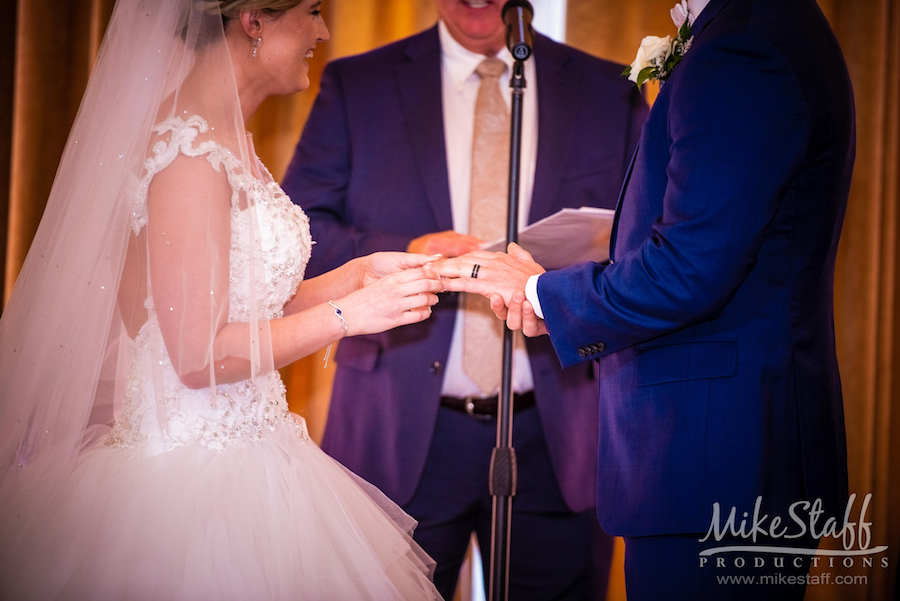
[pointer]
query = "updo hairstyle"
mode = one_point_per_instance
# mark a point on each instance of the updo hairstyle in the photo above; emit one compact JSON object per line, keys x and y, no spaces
{"x":231,"y":8}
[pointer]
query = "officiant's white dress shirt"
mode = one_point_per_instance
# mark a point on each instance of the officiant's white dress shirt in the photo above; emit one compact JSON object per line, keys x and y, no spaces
{"x":460,"y":86}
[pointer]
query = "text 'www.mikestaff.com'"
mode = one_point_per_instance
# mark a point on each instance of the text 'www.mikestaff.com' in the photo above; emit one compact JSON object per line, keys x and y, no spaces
{"x":794,"y":579}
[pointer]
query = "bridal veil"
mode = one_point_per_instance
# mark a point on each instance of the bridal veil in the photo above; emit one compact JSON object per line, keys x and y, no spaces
{"x":80,"y":297}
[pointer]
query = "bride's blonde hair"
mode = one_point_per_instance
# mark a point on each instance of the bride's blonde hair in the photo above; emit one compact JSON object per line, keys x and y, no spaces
{"x":231,"y":8}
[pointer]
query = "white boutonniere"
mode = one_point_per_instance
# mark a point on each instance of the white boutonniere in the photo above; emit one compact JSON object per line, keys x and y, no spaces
{"x":657,"y":57}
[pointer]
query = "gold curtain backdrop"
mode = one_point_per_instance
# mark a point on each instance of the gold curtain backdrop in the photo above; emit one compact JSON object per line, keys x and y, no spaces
{"x":51,"y":45}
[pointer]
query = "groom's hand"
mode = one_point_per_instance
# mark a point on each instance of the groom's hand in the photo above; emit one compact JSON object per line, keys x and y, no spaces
{"x":519,"y":315}
{"x":488,"y":273}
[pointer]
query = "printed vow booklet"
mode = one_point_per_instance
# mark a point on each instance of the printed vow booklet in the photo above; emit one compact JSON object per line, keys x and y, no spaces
{"x":565,"y":238}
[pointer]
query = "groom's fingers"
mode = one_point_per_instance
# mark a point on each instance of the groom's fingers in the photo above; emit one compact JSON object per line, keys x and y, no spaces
{"x":518,"y":252}
{"x":498,"y":307}
{"x":480,"y":265}
{"x":466,"y":284}
{"x":514,"y":312}
{"x":464,"y":267}
{"x":532,"y":325}
{"x":458,"y":267}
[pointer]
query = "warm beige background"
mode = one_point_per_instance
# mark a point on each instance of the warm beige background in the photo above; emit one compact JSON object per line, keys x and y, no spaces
{"x":47,"y":48}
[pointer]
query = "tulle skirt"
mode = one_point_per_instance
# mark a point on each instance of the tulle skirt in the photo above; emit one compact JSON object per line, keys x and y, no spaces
{"x":268,"y":520}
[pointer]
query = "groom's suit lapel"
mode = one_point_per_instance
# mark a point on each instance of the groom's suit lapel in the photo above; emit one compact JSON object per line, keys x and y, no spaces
{"x":615,"y":225}
{"x":706,"y":16}
{"x":419,"y":81}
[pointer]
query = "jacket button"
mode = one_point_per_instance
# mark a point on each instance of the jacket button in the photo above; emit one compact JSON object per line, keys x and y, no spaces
{"x":582,"y":352}
{"x":435,"y":367}
{"x":600,"y":347}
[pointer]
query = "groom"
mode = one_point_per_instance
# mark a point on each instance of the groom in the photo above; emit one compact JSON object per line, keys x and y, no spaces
{"x":713,"y":320}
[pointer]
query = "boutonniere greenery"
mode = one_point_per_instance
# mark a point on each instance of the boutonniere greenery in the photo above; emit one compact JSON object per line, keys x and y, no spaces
{"x":657,"y":57}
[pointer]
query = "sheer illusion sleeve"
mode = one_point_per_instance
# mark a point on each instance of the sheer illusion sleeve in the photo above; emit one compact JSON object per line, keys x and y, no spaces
{"x":189,"y":233}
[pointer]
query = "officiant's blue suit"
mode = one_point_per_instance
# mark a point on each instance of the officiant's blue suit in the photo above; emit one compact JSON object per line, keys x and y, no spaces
{"x":371,"y":171}
{"x":713,"y":324}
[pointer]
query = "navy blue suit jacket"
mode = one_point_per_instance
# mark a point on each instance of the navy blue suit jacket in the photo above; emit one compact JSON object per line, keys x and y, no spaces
{"x":714,"y":323}
{"x":371,"y":171}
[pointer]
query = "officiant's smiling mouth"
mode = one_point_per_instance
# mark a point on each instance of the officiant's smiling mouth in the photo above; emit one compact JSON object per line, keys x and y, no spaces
{"x":475,"y":24}
{"x":481,"y":4}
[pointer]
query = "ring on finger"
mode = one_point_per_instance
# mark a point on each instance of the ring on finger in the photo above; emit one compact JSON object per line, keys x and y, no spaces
{"x":475,"y":269}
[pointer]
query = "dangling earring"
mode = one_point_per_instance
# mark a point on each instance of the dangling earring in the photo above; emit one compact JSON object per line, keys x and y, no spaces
{"x":256,"y":45}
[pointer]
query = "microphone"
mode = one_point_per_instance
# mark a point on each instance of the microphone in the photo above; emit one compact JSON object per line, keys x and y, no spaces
{"x":517,"y":15}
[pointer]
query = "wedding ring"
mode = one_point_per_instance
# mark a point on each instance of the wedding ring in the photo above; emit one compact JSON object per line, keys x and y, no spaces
{"x":475,"y":269}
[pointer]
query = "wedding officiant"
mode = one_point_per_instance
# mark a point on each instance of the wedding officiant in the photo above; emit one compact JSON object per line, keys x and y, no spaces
{"x":393,"y":157}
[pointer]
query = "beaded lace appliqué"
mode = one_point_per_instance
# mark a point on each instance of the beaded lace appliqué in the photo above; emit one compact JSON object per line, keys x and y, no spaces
{"x":279,"y":233}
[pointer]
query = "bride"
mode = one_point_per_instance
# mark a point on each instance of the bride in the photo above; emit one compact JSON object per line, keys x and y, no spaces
{"x":146,"y":449}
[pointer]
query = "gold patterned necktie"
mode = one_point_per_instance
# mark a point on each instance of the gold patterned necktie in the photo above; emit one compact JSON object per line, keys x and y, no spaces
{"x":482,"y":331}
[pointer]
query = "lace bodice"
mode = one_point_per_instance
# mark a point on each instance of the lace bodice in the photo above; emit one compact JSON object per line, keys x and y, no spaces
{"x":158,"y":411}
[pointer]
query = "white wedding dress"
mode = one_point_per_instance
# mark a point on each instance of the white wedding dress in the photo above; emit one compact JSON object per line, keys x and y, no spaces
{"x":219,"y":496}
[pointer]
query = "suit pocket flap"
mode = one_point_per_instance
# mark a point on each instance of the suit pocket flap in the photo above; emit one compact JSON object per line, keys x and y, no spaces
{"x":699,"y":359}
{"x":359,"y":353}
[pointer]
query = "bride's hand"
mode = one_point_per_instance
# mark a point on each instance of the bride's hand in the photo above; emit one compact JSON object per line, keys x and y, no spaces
{"x":395,"y":299}
{"x":377,"y":265}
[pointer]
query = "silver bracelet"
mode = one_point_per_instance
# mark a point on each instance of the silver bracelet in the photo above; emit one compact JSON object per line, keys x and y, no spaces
{"x":340,"y":315}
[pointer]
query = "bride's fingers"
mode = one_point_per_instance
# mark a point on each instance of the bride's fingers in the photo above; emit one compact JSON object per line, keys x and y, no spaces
{"x":385,"y":263}
{"x":423,"y":286}
{"x":414,"y":304}
{"x":418,"y":274}
{"x":428,"y":300}
{"x":415,"y":293}
{"x":411,"y":260}
{"x":415,"y":316}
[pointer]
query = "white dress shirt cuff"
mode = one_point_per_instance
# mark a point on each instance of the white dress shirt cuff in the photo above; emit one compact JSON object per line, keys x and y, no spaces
{"x":531,"y":295}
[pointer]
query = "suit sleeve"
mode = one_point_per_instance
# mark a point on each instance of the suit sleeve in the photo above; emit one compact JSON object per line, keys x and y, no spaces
{"x":319,"y":177}
{"x":737,"y":132}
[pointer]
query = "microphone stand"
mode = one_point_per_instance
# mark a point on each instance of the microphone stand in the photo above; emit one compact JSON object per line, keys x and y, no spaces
{"x":503,"y":460}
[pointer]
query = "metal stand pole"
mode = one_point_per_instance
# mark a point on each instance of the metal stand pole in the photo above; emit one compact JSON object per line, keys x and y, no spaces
{"x":503,"y":459}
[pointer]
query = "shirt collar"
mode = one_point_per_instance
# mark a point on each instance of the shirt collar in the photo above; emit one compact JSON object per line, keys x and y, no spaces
{"x":461,"y":63}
